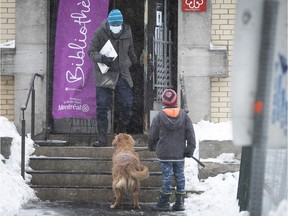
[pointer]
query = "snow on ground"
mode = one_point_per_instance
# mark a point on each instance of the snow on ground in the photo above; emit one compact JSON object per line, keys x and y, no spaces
{"x":218,"y":197}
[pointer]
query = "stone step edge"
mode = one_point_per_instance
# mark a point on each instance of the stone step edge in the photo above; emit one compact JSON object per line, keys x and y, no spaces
{"x":78,"y":172}
{"x":105,"y":188}
{"x":83,"y":158}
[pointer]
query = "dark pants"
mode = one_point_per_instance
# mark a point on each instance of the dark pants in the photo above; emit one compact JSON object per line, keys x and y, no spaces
{"x":170,"y":169}
{"x":124,"y":103}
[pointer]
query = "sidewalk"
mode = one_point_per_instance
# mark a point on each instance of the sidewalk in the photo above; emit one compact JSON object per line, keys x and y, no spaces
{"x":88,"y":209}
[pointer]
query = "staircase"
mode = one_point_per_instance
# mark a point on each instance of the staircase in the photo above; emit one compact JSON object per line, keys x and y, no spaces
{"x":83,"y":174}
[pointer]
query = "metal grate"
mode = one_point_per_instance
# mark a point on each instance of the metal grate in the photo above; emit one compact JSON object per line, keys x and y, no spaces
{"x":162,"y":58}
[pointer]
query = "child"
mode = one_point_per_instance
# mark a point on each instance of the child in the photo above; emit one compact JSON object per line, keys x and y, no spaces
{"x":172,"y":136}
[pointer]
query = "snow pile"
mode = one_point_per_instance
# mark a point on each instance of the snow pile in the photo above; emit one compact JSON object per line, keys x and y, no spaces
{"x":218,"y":199}
{"x":206,"y":130}
{"x":14,"y":189}
{"x":9,"y":44}
{"x":223,"y":158}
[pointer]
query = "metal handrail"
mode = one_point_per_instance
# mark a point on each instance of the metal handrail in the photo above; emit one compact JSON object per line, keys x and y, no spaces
{"x":31,"y":90}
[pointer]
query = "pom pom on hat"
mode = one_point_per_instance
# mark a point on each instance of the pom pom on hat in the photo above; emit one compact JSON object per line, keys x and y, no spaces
{"x":169,"y":97}
{"x":115,"y":17}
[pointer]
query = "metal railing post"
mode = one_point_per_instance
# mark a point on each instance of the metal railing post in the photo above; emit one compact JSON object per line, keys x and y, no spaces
{"x":33,"y":113}
{"x":23,"y":146}
{"x":23,"y":123}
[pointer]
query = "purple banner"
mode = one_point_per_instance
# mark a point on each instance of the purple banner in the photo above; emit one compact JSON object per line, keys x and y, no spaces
{"x":74,"y":94}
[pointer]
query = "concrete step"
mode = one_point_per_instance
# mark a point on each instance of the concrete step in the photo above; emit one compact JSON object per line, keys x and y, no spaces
{"x":214,"y":148}
{"x":90,"y":165}
{"x":85,"y":151}
{"x":91,"y":194}
{"x":82,"y":139}
{"x":82,"y":179}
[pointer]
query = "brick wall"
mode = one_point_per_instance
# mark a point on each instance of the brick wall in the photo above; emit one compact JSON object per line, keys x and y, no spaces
{"x":7,"y":97}
{"x":7,"y":16}
{"x":7,"y":33}
{"x":222,"y":32}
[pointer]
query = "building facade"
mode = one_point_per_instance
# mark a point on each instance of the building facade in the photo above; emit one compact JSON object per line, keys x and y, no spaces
{"x":18,"y":65}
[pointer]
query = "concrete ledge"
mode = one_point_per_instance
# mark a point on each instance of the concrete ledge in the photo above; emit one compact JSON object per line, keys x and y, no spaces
{"x":213,"y":169}
{"x":214,"y":148}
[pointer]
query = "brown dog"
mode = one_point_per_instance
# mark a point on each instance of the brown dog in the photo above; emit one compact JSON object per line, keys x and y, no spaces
{"x":127,"y":171}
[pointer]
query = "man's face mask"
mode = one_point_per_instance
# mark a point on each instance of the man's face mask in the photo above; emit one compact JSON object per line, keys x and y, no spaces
{"x":116,"y":29}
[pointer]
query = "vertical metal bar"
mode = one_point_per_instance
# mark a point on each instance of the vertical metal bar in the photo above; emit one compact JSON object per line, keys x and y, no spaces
{"x":23,"y":147}
{"x":170,"y":59}
{"x":33,"y":113}
{"x":263,"y":95}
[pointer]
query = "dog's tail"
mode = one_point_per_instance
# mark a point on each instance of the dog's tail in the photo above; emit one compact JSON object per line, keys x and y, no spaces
{"x":140,"y":174}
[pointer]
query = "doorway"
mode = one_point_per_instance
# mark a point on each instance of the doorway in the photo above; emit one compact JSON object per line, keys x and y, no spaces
{"x":154,"y":30}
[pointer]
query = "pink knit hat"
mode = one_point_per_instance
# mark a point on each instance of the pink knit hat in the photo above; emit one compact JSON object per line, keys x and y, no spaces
{"x":169,"y":97}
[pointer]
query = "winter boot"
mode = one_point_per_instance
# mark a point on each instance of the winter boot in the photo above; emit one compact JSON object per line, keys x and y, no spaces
{"x":102,"y":141}
{"x":179,"y":204}
{"x":163,"y":204}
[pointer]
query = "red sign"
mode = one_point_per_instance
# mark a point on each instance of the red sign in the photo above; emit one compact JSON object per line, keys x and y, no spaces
{"x":193,"y":5}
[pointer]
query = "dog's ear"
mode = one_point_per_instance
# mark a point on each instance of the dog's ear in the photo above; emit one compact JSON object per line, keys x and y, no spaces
{"x":115,"y":141}
{"x":131,"y":140}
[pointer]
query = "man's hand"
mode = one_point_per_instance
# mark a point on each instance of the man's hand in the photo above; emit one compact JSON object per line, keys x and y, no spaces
{"x":107,"y":60}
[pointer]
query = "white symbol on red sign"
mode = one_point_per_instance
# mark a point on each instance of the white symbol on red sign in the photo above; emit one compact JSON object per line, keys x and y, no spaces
{"x":194,"y":4}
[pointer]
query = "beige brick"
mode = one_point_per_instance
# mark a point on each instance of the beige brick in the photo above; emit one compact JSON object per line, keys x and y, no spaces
{"x":7,"y":107}
{"x":214,"y":79}
{"x":8,"y":5}
{"x":215,"y":37}
{"x":225,"y":89}
{"x":10,"y":112}
{"x":3,"y":10}
{"x":219,"y":94}
{"x":224,"y":110}
{"x":219,"y":22}
{"x":215,"y":88}
{"x":10,"y":102}
{"x":7,"y":87}
{"x":8,"y":15}
{"x":2,"y":102}
{"x":226,"y":37}
{"x":224,"y":119}
{"x":219,"y":1}
{"x":7,"y":97}
{"x":223,"y":84}
{"x":10,"y":117}
{"x":228,"y":6}
{"x":220,"y":11}
{"x":3,"y":112}
{"x":11,"y":10}
{"x":214,"y":109}
{"x":214,"y":99}
{"x":220,"y":115}
{"x":219,"y":33}
{"x":225,"y":99}
{"x":215,"y":120}
{"x":215,"y":16}
{"x":218,"y":104}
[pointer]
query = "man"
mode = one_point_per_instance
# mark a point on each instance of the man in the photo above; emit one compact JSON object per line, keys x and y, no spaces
{"x":172,"y":136}
{"x":117,"y":79}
